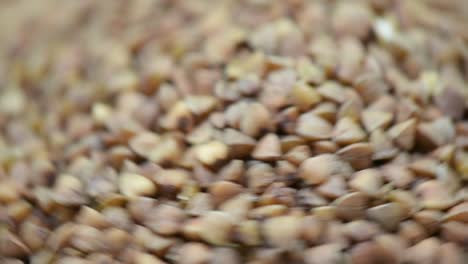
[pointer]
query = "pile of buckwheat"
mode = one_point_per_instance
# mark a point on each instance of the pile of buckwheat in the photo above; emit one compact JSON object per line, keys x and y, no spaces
{"x":234,"y":131}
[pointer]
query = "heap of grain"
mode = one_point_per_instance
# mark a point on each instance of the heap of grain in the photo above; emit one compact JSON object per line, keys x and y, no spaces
{"x":157,"y":131}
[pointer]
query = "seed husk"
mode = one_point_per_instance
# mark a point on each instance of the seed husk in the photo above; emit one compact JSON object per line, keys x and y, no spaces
{"x":398,"y":175}
{"x":387,"y":215}
{"x":165,"y":219}
{"x":224,"y":190}
{"x":298,"y":154}
{"x":434,"y":195}
{"x":358,"y":155}
{"x":19,"y":210}
{"x":259,"y":177}
{"x":382,"y":145}
{"x":268,"y":211}
{"x":424,"y":251}
{"x":233,"y":171}
{"x":146,"y":258}
{"x":312,"y":127}
{"x":286,"y":119}
{"x":325,"y":146}
{"x":268,"y":148}
{"x":373,"y":120}
{"x":87,"y":239}
{"x":451,"y":102}
{"x":144,"y":143}
{"x":329,"y":253}
{"x":436,"y":133}
{"x":451,"y":253}
{"x":333,"y":188}
{"x":455,"y":232}
{"x":239,"y":145}
{"x":393,"y":244}
{"x":312,"y":229}
{"x":332,"y":91}
{"x":304,"y":96}
{"x":403,"y":134}
{"x":347,"y":132}
{"x":194,"y":253}
{"x":12,"y":246}
{"x":90,"y":217}
{"x":371,"y":252}
{"x":255,"y":120}
{"x":167,"y":150}
{"x":226,"y":255}
{"x":211,"y":152}
{"x":336,"y":233}
{"x":326,"y":111}
{"x":351,"y":205}
{"x":249,"y":233}
{"x":367,"y":181}
{"x":458,"y":213}
{"x":132,"y":185}
{"x":282,"y":231}
{"x":216,"y":228}
{"x":155,"y":244}
{"x":361,"y":230}
{"x":318,"y":169}
{"x":174,"y":179}
{"x":238,"y":206}
{"x":430,"y":219}
{"x":33,"y":234}
{"x":412,"y":232}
